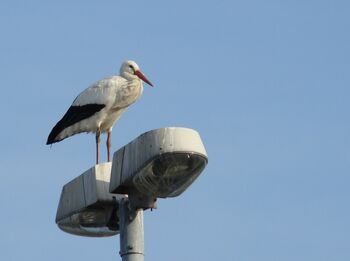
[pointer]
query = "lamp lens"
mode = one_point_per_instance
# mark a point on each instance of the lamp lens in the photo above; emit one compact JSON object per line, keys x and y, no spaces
{"x":169,"y":174}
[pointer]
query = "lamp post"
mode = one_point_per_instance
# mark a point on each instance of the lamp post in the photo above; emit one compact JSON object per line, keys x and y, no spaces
{"x":131,"y":232}
{"x":110,"y":198}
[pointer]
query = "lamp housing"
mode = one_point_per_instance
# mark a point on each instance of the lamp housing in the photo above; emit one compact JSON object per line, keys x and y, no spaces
{"x":86,"y":207}
{"x":158,"y":164}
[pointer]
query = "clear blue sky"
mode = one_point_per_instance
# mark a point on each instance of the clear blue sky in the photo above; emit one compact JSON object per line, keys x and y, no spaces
{"x":266,"y":83}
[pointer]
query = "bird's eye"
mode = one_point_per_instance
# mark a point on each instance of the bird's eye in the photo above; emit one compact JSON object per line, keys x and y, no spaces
{"x":132,"y":68}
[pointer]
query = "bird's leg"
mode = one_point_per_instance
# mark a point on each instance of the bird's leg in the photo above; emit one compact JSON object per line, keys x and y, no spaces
{"x":98,"y":132}
{"x":109,"y":143}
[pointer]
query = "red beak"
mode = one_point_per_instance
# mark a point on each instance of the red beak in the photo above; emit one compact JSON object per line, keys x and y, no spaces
{"x":143,"y":78}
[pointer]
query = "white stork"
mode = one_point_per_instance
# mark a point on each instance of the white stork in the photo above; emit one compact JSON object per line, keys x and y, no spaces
{"x":98,"y":107}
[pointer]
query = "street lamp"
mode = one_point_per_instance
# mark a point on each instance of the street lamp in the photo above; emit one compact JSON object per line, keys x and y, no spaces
{"x":107,"y":200}
{"x":86,"y":208}
{"x":158,"y":164}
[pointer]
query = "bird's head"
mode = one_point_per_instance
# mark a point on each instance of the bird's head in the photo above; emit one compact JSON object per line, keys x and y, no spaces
{"x":130,"y":70}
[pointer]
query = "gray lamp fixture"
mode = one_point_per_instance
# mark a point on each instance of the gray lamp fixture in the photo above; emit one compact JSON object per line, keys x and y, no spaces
{"x":158,"y":164}
{"x":109,"y":199}
{"x":86,"y":208}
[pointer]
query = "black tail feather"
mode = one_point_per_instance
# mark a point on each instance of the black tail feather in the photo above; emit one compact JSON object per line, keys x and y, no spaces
{"x":72,"y":116}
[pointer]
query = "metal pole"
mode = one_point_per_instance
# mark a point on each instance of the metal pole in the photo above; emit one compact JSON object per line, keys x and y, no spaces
{"x":131,"y":232}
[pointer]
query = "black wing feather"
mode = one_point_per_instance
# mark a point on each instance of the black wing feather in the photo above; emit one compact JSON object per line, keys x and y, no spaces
{"x":72,"y":116}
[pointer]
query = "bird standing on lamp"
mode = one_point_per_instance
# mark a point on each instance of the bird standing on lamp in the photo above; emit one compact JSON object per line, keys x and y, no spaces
{"x":98,"y":107}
